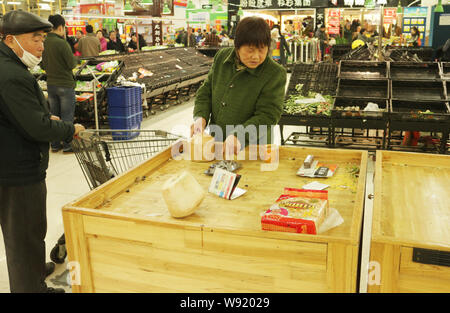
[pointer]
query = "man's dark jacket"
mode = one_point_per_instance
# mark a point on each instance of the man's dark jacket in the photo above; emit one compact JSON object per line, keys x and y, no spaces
{"x":25,"y":125}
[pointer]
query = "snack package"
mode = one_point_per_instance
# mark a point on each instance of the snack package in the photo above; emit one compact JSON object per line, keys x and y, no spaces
{"x":297,"y":211}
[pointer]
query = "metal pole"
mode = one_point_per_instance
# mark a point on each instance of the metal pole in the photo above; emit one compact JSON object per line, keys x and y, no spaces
{"x":137,"y":36}
{"x":95,"y":103}
{"x":380,"y":34}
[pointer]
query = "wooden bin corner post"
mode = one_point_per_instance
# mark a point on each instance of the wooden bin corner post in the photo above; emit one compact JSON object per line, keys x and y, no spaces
{"x":384,"y":267}
{"x":342,"y":263}
{"x":342,"y":257}
{"x":76,"y":245}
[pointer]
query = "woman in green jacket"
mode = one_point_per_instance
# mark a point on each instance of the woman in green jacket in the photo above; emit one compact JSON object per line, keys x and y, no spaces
{"x":242,"y":97}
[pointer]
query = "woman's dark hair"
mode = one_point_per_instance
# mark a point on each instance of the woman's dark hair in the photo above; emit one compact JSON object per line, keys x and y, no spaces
{"x":362,"y":31}
{"x":252,"y":31}
{"x":416,"y":30}
{"x":89,"y":29}
{"x":57,"y":20}
{"x":99,"y":31}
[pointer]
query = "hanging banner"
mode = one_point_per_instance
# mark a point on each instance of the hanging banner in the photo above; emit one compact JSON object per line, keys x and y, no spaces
{"x":74,"y":26}
{"x":157,"y":33}
{"x":390,"y":15}
{"x":180,"y":3}
{"x":334,"y":18}
{"x":282,"y":4}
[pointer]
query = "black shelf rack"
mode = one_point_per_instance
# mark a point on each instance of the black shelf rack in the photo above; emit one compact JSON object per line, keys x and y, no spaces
{"x":410,"y":96}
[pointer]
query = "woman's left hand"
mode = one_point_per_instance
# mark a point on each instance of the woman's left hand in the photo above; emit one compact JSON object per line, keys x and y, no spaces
{"x":231,"y":146}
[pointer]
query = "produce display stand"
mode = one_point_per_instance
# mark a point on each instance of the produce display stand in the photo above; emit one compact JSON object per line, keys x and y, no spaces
{"x":390,"y":53}
{"x":411,"y":97}
{"x":410,"y":244}
{"x":169,"y":75}
{"x":407,"y":71}
{"x":360,"y":83}
{"x":85,"y":107}
{"x":317,"y":77}
{"x":124,"y":239}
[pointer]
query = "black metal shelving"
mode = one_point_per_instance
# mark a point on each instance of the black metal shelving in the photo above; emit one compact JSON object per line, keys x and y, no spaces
{"x":411,"y":97}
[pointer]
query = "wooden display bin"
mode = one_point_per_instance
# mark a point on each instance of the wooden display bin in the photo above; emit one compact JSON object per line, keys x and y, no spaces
{"x":410,"y":246}
{"x":121,"y":238}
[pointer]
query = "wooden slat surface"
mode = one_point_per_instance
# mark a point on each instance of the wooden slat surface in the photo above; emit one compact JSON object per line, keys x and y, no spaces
{"x":412,"y":199}
{"x":143,"y":200}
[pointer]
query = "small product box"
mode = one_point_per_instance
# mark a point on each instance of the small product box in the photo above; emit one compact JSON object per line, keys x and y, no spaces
{"x":297,"y":211}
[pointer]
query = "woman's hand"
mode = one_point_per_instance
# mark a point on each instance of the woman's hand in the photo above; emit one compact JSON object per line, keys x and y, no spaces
{"x":231,"y":146}
{"x":54,"y":118}
{"x":198,"y":126}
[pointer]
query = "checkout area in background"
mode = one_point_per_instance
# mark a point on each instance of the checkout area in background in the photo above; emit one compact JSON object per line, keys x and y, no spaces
{"x":296,"y":25}
{"x":404,"y":26}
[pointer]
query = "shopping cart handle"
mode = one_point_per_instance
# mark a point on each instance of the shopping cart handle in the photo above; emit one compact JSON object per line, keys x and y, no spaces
{"x":85,"y":134}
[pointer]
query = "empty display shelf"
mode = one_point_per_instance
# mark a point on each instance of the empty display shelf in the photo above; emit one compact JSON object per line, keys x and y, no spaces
{"x":418,"y":91}
{"x":363,"y":70}
{"x":406,"y":71}
{"x":363,"y":89}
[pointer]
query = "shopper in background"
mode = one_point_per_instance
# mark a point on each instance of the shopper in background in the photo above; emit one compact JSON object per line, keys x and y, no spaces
{"x":26,"y":128}
{"x":365,"y":37}
{"x":244,"y":87}
{"x":134,"y":42}
{"x":223,"y":32}
{"x":79,"y":34}
{"x":182,"y":38}
{"x":284,"y":48}
{"x":103,"y":41}
{"x":71,"y":40}
{"x":115,"y":43}
{"x":58,"y":62}
{"x":348,"y":33}
{"x":89,"y":45}
{"x":212,"y":39}
{"x":323,"y":39}
{"x":192,"y":40}
{"x":415,"y":37}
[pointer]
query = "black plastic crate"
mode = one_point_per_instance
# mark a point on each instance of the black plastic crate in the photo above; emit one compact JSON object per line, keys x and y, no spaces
{"x":423,"y":53}
{"x":363,"y":89}
{"x":419,"y":91}
{"x":406,"y":71}
{"x":436,"y":111}
{"x":363,"y":70}
{"x":337,"y":51}
{"x":445,"y":66}
{"x":345,"y":108}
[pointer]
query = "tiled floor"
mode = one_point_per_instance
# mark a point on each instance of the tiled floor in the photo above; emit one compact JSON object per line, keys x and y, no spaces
{"x":66,"y":182}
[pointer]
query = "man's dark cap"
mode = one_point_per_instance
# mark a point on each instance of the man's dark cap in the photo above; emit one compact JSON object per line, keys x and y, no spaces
{"x":22,"y":22}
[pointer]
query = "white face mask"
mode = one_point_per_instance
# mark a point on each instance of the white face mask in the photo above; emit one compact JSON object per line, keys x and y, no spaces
{"x":28,"y":59}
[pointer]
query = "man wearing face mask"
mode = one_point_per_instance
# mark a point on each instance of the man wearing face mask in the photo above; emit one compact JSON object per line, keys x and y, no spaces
{"x":26,"y":128}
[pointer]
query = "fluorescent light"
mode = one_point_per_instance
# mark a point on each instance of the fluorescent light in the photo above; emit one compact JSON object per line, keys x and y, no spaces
{"x":14,"y":2}
{"x":44,"y":6}
{"x":48,"y":0}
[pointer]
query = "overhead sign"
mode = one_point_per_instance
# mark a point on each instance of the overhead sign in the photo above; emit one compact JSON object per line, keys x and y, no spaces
{"x":207,"y":6}
{"x":282,"y":4}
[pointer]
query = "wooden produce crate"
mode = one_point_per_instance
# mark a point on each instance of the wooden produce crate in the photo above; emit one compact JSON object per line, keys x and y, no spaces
{"x":124,"y":240}
{"x":410,"y":245}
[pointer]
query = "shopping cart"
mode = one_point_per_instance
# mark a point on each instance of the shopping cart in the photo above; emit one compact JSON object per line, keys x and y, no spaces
{"x":103,"y":154}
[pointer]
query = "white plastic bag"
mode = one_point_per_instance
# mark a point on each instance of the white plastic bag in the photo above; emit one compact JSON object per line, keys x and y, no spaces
{"x":333,"y":219}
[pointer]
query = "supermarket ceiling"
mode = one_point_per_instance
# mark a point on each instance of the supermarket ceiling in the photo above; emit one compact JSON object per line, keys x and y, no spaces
{"x":44,"y":7}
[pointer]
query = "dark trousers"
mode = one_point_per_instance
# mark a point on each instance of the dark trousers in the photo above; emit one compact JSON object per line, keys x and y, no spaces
{"x":62,"y":104}
{"x":24,"y":224}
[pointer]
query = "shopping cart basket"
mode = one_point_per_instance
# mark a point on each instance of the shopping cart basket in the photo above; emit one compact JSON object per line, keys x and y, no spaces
{"x":102,"y":156}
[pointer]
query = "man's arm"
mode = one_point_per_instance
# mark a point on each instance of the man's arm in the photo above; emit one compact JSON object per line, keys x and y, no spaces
{"x":24,"y":110}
